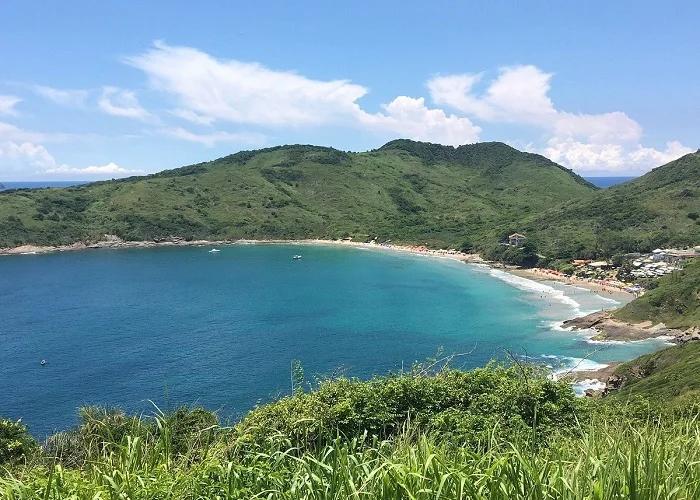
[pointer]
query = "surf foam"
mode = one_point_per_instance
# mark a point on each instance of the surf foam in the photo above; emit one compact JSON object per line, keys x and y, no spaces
{"x":529,"y":285}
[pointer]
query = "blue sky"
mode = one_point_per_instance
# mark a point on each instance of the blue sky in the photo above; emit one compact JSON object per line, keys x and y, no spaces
{"x":92,"y":90}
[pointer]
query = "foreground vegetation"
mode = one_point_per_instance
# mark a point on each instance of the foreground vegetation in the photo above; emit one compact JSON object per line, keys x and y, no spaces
{"x":469,"y":197}
{"x":491,"y":433}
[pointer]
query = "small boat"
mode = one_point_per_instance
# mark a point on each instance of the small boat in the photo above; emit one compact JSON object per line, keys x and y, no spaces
{"x":296,"y":257}
{"x":43,"y":362}
{"x":214,"y":250}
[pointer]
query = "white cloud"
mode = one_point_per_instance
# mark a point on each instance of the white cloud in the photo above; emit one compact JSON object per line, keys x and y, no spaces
{"x":636,"y":159}
{"x":207,"y":89}
{"x":27,"y":160}
{"x":109,"y":169}
{"x":9,"y":132}
{"x":244,"y":92}
{"x":414,"y":120}
{"x":8,"y":103}
{"x":213,"y":138}
{"x":520,"y":95}
{"x":63,"y":97}
{"x":119,"y":102}
{"x":22,"y":157}
{"x":191,"y":116}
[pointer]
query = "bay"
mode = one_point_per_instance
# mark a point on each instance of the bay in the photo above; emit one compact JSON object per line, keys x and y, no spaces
{"x":186,"y":326}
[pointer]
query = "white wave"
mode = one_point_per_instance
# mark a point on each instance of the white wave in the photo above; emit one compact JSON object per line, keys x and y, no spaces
{"x":662,"y":338}
{"x":581,"y":386}
{"x":536,"y":287}
{"x":558,"y":326}
{"x":566,"y":364}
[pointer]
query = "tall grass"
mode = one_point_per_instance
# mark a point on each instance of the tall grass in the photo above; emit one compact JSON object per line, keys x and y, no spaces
{"x":609,"y":460}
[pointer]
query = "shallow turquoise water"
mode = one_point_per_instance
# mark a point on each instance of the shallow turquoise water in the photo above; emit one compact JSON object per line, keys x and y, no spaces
{"x":220,"y":329}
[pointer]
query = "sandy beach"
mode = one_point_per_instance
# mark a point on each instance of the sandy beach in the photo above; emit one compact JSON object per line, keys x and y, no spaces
{"x":604,"y":290}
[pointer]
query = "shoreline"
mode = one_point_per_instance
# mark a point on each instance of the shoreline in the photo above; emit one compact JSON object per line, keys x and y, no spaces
{"x":114,"y":243}
{"x":604,"y":290}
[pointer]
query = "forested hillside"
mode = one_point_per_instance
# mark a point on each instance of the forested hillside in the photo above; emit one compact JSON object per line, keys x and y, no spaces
{"x":468,"y":197}
{"x":405,"y":191}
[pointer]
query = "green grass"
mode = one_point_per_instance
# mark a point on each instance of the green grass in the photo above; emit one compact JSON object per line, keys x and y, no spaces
{"x":671,"y":375}
{"x":598,"y":450}
{"x":674,"y":301}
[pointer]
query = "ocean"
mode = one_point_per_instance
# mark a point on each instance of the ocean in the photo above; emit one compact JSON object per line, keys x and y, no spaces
{"x":40,"y":184}
{"x":604,"y":182}
{"x":185,"y":326}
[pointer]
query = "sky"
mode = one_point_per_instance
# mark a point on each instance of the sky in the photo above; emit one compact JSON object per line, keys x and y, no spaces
{"x":97,"y":90}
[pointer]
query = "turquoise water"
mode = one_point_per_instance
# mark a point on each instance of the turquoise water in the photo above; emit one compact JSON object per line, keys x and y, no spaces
{"x":182,"y":325}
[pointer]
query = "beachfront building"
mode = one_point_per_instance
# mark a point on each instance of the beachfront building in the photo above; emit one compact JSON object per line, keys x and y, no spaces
{"x":516,"y":239}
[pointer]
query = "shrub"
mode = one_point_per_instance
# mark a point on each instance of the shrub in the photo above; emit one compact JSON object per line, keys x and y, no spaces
{"x":475,"y":408}
{"x":16,"y":444}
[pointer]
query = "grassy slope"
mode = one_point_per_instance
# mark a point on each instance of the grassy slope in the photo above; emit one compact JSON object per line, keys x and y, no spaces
{"x":477,"y":191}
{"x":644,"y":213}
{"x":675,"y":301}
{"x":486,"y":434}
{"x":670,"y":375}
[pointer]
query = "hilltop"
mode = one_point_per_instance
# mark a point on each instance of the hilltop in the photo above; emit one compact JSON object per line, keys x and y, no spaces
{"x":404,"y":191}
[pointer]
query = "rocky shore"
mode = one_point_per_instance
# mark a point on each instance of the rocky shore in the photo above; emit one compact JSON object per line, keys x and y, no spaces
{"x":609,"y":328}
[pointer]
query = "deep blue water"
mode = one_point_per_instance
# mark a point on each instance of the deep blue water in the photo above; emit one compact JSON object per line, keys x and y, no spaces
{"x":121,"y":327}
{"x":41,"y":184}
{"x":604,"y":182}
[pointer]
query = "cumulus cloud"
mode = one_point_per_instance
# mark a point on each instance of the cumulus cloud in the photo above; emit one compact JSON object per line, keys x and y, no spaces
{"x":520,"y":95}
{"x":27,"y":160}
{"x":213,"y":138}
{"x":63,"y":97}
{"x":611,"y":157}
{"x":208,"y":90}
{"x":109,"y":169}
{"x":8,"y":103}
{"x":20,"y":157}
{"x":119,"y":102}
{"x":412,"y":119}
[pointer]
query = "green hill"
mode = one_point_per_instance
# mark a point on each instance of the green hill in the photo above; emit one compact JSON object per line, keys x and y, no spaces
{"x":661,"y":208}
{"x":405,"y":191}
{"x":675,"y":300}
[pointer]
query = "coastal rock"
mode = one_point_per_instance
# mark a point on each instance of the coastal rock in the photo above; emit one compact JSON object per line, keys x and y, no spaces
{"x":586,"y":322}
{"x":690,"y":335}
{"x":608,"y":328}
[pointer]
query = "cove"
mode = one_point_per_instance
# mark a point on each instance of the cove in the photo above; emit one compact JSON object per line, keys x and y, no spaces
{"x":185,"y":326}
